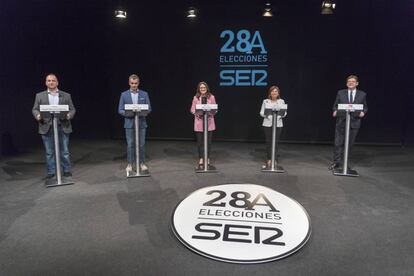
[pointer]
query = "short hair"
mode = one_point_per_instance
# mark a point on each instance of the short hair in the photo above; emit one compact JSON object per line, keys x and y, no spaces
{"x":270,"y":91}
{"x":352,"y":77}
{"x":51,"y":74}
{"x":133,"y":77}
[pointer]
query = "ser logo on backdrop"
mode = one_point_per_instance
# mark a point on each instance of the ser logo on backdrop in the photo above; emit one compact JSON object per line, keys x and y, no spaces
{"x":241,"y":223}
{"x":243,"y":59}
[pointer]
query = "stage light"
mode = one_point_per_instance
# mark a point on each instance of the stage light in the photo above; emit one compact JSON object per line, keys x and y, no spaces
{"x":191,"y":13}
{"x":328,"y":6}
{"x":120,"y":14}
{"x":267,"y":10}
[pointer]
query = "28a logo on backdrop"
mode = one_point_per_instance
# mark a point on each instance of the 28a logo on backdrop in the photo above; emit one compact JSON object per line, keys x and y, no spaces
{"x":241,"y":223}
{"x":243,"y":59}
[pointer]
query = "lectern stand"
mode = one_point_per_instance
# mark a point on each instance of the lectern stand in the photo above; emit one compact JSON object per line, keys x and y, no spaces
{"x":55,"y":111}
{"x":137,"y":110}
{"x":274,"y":109}
{"x":348,"y":109}
{"x":206,"y":110}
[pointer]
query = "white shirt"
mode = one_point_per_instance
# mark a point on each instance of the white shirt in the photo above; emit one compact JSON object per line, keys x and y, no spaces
{"x":134,"y":95}
{"x":353,"y":95}
{"x":267,"y":121}
{"x":53,"y":97}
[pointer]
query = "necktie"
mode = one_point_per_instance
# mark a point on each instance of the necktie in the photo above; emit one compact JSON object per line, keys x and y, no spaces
{"x":350,"y":96}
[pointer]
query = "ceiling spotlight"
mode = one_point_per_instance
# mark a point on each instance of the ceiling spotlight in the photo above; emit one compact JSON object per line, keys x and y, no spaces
{"x":328,"y":6}
{"x":120,"y":14}
{"x":267,"y":10}
{"x":191,"y":13}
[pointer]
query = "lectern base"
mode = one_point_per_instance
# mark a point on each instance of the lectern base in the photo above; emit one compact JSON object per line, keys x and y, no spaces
{"x":210,"y":169}
{"x":144,"y":173}
{"x":54,"y":183}
{"x":349,"y":172}
{"x":277,"y":169}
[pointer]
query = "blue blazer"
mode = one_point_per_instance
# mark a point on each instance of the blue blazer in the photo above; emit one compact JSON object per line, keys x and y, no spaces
{"x":126,"y":98}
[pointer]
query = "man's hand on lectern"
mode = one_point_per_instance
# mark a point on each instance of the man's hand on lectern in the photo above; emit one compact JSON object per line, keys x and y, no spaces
{"x":38,"y":117}
{"x":361,"y":114}
{"x":334,"y":114}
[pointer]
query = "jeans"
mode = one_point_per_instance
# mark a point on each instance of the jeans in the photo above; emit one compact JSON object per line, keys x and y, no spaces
{"x":49,"y":143}
{"x":130,"y":138}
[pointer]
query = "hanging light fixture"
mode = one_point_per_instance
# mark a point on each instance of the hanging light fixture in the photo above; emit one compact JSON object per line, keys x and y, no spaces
{"x":267,"y":10}
{"x":191,"y":12}
{"x":328,"y":6}
{"x":120,"y":14}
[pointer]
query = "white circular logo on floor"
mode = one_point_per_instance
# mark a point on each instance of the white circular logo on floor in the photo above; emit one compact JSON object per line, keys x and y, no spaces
{"x":241,"y":223}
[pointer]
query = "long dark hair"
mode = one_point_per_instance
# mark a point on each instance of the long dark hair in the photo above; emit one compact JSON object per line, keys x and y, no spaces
{"x":198,"y":94}
{"x":270,"y":92}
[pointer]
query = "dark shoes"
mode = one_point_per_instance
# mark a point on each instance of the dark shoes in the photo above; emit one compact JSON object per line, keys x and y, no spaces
{"x":334,"y":166}
{"x":67,"y":174}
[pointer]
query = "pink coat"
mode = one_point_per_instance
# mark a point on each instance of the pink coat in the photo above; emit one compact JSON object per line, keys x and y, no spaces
{"x":198,"y":120}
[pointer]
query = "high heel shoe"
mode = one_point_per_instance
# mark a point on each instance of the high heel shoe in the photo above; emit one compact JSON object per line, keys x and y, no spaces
{"x":200,"y":164}
{"x":128,"y":170}
{"x":267,"y":164}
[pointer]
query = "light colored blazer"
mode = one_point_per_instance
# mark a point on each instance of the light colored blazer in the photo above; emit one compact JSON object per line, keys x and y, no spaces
{"x":198,"y":120}
{"x":267,"y":121}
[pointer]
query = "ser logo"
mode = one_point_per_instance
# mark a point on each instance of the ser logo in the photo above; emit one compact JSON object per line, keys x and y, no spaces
{"x":243,"y":59}
{"x":241,"y":223}
{"x":238,"y":232}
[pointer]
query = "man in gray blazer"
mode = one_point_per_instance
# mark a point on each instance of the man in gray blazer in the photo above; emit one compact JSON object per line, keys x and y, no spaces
{"x":346,"y":96}
{"x":54,"y":96}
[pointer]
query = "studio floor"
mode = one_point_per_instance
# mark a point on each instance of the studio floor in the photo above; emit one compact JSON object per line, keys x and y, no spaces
{"x":106,"y":224}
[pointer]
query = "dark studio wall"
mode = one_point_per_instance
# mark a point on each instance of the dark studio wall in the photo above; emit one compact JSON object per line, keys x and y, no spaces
{"x":310,"y":56}
{"x":63,"y":37}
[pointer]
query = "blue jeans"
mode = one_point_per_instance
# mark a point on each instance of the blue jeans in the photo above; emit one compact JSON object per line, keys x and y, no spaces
{"x":130,"y":137}
{"x":48,"y":142}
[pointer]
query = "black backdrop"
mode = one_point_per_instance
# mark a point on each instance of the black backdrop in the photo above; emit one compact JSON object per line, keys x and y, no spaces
{"x":310,"y":56}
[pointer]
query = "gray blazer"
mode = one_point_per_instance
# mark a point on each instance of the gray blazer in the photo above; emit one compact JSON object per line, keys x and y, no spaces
{"x":46,"y":121}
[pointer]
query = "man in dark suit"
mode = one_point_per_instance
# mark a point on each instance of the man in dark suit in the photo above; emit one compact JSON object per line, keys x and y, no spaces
{"x":134,"y":96}
{"x":54,"y":96}
{"x":347,"y":96}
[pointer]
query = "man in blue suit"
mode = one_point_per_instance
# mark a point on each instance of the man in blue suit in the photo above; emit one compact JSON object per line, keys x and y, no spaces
{"x":134,"y":96}
{"x":351,"y":95}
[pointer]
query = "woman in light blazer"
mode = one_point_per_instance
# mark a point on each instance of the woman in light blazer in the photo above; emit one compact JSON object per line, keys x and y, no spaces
{"x":272,"y":97}
{"x":203,"y":96}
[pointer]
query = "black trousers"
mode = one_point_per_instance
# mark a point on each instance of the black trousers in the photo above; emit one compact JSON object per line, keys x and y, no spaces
{"x":268,"y":138}
{"x":340,"y":142}
{"x":200,"y":143}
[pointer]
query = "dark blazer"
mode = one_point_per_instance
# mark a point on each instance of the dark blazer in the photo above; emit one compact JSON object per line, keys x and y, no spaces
{"x":46,"y":122}
{"x":126,"y":98}
{"x":342,"y":98}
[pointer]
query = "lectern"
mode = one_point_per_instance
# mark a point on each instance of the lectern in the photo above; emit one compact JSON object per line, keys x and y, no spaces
{"x":347,"y":109}
{"x":206,"y":110}
{"x":137,"y":110}
{"x":56,"y":110}
{"x":274,"y":109}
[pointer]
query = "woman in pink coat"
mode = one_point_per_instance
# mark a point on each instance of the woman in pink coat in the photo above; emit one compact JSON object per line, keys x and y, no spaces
{"x":203,"y":95}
